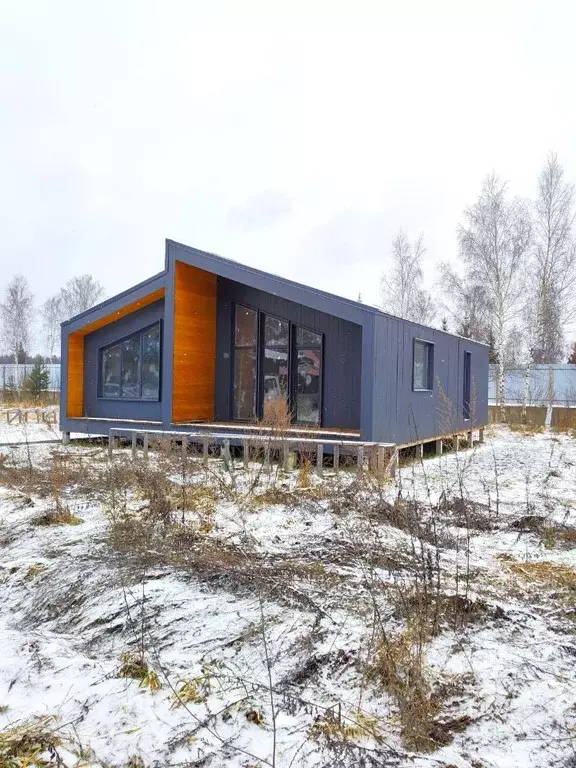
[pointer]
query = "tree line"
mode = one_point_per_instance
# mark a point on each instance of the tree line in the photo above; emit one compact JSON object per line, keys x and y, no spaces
{"x":513,"y":286}
{"x":18,"y":315}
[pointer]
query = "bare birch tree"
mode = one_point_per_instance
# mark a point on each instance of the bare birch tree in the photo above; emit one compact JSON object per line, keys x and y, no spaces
{"x":52,"y":316}
{"x":553,"y":302}
{"x":466,"y":302}
{"x":494,"y":245}
{"x":401,"y":288}
{"x":550,"y":303}
{"x":16,"y":317}
{"x":79,"y":294}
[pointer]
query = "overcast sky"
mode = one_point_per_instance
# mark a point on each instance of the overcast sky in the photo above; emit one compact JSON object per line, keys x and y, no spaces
{"x":295,"y":137}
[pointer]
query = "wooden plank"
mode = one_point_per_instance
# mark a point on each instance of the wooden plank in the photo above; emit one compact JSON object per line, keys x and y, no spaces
{"x":75,"y":375}
{"x":194,"y":366}
{"x":127,"y":309}
{"x":320,"y":459}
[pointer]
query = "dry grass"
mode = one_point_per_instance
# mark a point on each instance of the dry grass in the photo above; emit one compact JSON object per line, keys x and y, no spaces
{"x":357,"y":725}
{"x":399,"y":665}
{"x":58,"y":517}
{"x":526,"y":429}
{"x":544,"y":573}
{"x":134,"y":666}
{"x":33,"y":743}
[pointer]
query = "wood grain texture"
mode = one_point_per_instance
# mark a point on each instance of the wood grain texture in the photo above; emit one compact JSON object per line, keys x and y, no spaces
{"x":134,"y":306}
{"x":194,"y":367}
{"x":75,"y":373}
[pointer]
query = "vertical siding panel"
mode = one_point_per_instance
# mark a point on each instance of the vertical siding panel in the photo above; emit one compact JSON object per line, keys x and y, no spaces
{"x":401,"y":415}
{"x":342,"y":351}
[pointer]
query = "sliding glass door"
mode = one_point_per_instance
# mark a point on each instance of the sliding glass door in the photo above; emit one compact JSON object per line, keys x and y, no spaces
{"x":277,"y":369}
{"x":308,"y":389}
{"x":245,"y":359}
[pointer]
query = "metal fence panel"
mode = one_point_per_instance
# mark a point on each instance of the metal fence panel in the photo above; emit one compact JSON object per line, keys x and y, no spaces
{"x":13,"y":376}
{"x":553,"y":384}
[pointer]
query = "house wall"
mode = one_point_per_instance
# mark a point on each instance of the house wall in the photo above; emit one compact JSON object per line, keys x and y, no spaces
{"x":342,"y":351}
{"x":401,"y":415}
{"x":95,"y":406}
{"x":194,"y":350}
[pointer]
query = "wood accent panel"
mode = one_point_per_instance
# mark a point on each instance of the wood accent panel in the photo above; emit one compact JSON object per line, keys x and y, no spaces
{"x":194,"y":367}
{"x":75,"y":373}
{"x":134,"y":306}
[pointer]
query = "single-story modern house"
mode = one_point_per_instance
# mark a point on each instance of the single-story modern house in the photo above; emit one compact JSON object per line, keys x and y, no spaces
{"x":208,"y":343}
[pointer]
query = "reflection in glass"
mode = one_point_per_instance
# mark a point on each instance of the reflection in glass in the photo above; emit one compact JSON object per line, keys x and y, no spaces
{"x":308,"y":386}
{"x":275,"y":332}
{"x":275,"y":372}
{"x":422,"y":368}
{"x":306,"y":338}
{"x":111,"y":372}
{"x":244,"y":383}
{"x":245,"y":327}
{"x":131,"y":369}
{"x":151,"y":363}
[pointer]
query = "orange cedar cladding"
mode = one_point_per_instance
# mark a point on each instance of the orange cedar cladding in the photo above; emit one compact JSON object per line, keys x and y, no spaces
{"x":194,"y":367}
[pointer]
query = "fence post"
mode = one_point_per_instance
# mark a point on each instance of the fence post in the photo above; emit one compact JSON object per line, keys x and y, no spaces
{"x":319,"y":459}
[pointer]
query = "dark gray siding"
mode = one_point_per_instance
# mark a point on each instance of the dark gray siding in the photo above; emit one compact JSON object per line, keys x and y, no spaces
{"x":342,"y":351}
{"x":401,"y":415}
{"x":95,"y":406}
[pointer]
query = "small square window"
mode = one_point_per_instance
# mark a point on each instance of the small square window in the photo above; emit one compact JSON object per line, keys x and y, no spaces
{"x":423,"y":366}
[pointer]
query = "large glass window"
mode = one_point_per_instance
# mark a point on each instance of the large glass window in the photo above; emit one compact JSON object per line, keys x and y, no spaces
{"x":308,"y":394}
{"x":131,"y":368}
{"x":275,"y":366}
{"x":245,"y":359}
{"x":423,"y":365}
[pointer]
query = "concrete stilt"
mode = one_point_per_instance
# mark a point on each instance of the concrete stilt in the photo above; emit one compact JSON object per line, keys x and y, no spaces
{"x":134,"y":444}
{"x":320,"y":460}
{"x":381,"y":461}
{"x":111,"y":440}
{"x":439,"y":447}
{"x":245,"y":454}
{"x":65,"y":438}
{"x":469,"y":440}
{"x":360,"y":458}
{"x":481,"y":435}
{"x":420,"y":451}
{"x":145,"y":443}
{"x":336,"y":458}
{"x":393,"y":464}
{"x":267,"y":456}
{"x":456,"y":443}
{"x":205,"y":451}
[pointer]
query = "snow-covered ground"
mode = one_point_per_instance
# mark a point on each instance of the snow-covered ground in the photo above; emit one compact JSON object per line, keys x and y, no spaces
{"x":260,"y":610}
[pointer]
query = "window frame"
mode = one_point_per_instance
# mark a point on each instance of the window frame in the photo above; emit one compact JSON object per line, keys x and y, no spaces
{"x":260,"y":346}
{"x":118,"y":343}
{"x":233,"y":348}
{"x":294,"y":374}
{"x":467,"y":385}
{"x":430,"y":372}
